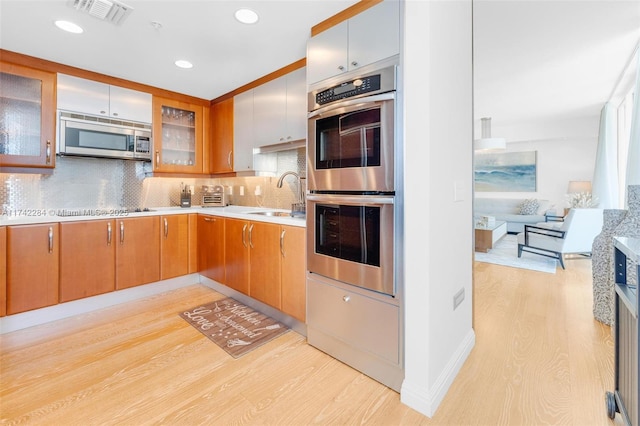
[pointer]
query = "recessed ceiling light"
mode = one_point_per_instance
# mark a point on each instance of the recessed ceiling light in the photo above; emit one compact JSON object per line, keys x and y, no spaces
{"x":69,"y":27}
{"x":183,"y":64}
{"x":246,"y":16}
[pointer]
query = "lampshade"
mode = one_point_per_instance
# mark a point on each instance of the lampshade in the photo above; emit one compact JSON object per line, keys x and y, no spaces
{"x":576,"y":186}
{"x":487,"y":143}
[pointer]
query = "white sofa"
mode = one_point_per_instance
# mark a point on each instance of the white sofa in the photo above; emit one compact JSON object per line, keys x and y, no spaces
{"x":508,"y":210}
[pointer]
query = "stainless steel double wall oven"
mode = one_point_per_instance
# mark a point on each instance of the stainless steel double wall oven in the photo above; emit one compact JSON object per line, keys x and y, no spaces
{"x":351,"y":181}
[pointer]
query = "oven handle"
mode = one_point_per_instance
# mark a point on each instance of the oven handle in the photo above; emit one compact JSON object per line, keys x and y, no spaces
{"x":367,"y":199}
{"x":349,"y":102}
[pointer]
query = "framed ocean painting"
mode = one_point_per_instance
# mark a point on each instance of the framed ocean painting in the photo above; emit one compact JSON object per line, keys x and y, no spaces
{"x":505,"y":172}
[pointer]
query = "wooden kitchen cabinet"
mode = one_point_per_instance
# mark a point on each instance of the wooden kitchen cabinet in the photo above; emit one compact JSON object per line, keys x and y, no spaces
{"x":264,"y":271}
{"x":3,"y":271}
{"x":137,"y":251}
{"x":103,"y":100}
{"x":178,"y":136}
{"x":280,"y":110}
{"x":232,"y":134}
{"x":222,"y":137}
{"x":366,"y":38}
{"x":174,"y":246}
{"x":211,"y":249}
{"x":237,"y":254}
{"x":87,"y":259}
{"x":293,"y":267}
{"x":33,"y":255}
{"x":27,"y":117}
{"x":193,"y":243}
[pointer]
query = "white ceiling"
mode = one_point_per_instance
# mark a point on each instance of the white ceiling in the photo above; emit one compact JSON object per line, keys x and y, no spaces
{"x":534,"y":60}
{"x":226,"y":54}
{"x":549,"y":63}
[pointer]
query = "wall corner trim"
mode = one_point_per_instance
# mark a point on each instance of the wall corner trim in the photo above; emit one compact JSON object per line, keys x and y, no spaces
{"x":426,"y":400}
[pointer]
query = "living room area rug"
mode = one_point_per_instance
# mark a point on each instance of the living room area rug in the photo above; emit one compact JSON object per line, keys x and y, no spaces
{"x":236,"y":328}
{"x":505,"y":253}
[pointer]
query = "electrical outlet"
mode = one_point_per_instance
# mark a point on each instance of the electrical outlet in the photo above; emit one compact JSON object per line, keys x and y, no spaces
{"x":242,"y":191}
{"x":258,"y":190}
{"x":458,"y":298}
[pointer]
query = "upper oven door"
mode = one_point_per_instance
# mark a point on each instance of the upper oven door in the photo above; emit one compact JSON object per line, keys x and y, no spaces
{"x":351,"y":145}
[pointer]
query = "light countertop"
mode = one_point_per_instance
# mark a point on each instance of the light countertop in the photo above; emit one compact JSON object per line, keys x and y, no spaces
{"x":36,"y":216}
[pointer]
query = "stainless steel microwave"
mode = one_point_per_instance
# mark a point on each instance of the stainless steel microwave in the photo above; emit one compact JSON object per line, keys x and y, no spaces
{"x":90,"y":136}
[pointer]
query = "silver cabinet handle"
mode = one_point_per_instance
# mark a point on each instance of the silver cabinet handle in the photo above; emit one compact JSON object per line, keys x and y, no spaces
{"x":166,"y":228}
{"x":244,"y":228}
{"x":346,"y":298}
{"x":48,"y":151}
{"x":250,"y":235}
{"x":50,"y":239}
{"x":108,"y":233}
{"x":282,"y":242}
{"x":341,"y":68}
{"x":229,"y":158}
{"x":157,"y":158}
{"x":208,"y":219}
{"x":354,"y":63}
{"x":121,"y":232}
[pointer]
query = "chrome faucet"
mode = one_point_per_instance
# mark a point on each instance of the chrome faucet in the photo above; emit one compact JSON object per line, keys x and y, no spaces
{"x":299,"y":206}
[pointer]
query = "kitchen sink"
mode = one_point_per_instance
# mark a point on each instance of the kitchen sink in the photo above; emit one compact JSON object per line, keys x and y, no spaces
{"x":279,"y":214}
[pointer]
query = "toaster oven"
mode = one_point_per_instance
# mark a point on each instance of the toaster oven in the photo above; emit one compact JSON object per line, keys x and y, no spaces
{"x":213,"y":196}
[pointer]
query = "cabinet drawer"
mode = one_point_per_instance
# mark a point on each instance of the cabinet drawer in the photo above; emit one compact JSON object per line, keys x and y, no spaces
{"x":363,"y":322}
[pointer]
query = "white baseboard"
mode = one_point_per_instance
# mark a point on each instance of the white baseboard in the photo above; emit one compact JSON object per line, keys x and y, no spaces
{"x":68,"y":309}
{"x":426,"y":400}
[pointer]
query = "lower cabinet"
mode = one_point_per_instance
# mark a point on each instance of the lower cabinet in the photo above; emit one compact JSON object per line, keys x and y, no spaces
{"x":3,"y":271}
{"x":174,"y":246}
{"x":211,"y":247}
{"x":137,"y":251}
{"x":236,"y":246}
{"x":87,"y":259}
{"x":32,"y":266}
{"x":293,"y":267}
{"x":264,"y":270}
{"x":267,"y":262}
{"x":193,"y":243}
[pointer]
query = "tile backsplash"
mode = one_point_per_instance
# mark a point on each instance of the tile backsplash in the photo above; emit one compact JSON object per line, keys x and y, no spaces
{"x":78,"y":183}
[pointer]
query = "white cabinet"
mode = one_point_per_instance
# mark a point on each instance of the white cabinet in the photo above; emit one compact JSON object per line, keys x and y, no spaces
{"x":269,"y":107}
{"x":366,"y":38}
{"x":279,"y":110}
{"x":94,"y":98}
{"x":243,"y":131}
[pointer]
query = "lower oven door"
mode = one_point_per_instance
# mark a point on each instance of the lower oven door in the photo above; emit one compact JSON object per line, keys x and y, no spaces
{"x":351,"y":239}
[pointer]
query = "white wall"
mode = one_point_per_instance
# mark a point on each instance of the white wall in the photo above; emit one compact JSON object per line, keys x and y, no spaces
{"x":438,"y":134}
{"x":565,"y":151}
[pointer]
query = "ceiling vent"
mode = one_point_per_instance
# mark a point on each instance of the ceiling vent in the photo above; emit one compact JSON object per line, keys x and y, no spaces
{"x":106,"y":10}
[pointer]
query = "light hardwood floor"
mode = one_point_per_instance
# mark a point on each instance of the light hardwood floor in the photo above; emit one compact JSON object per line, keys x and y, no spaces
{"x":540,"y":358}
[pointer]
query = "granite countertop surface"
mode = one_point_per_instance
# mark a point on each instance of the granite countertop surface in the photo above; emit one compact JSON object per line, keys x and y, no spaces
{"x":35,"y":216}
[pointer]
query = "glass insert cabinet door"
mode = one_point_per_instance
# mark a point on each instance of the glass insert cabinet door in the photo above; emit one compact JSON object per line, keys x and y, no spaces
{"x":27,"y":117}
{"x":178,"y":138}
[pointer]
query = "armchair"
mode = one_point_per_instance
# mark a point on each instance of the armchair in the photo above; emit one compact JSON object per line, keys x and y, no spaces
{"x":555,"y":239}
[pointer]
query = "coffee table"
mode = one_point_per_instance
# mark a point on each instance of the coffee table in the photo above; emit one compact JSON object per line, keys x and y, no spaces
{"x":486,"y":236}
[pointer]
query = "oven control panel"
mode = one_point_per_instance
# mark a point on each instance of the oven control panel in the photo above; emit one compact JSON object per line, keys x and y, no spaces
{"x":349,"y":89}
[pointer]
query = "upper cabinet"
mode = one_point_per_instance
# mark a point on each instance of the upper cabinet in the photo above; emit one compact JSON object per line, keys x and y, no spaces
{"x":178,"y":135}
{"x":279,"y":110}
{"x":232,"y":144}
{"x":366,"y":38}
{"x":27,"y":117}
{"x":243,"y":131}
{"x":94,"y":98}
